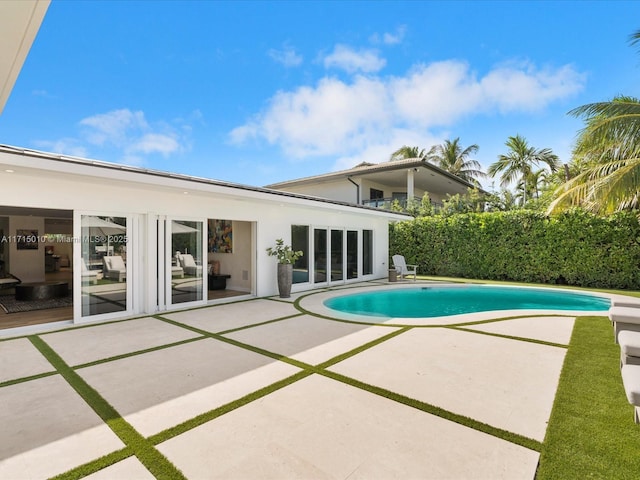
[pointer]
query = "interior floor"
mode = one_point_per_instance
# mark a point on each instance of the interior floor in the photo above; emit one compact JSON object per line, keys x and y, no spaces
{"x":37,"y":317}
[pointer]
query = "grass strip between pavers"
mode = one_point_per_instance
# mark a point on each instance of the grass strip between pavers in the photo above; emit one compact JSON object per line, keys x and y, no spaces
{"x":591,"y":433}
{"x":15,"y":381}
{"x":509,"y":337}
{"x":144,"y":450}
{"x":437,"y":411}
{"x":96,"y":465}
{"x":226,"y":408}
{"x":259,"y":324}
{"x":321,"y":370}
{"x":138,"y":352}
{"x":246,"y":346}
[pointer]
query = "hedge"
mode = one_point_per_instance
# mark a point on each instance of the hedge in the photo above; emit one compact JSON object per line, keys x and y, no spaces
{"x":574,"y":248}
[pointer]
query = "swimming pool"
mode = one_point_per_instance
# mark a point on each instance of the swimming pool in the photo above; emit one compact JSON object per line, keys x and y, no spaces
{"x":437,"y":301}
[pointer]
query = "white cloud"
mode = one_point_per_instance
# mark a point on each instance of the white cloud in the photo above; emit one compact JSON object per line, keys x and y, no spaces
{"x":394,"y":38}
{"x":42,"y":93}
{"x":127,"y":136}
{"x":155,"y":143}
{"x":287,"y":56}
{"x":113,"y":127}
{"x":65,"y":146}
{"x":380,"y":149}
{"x":324,"y":120}
{"x":130,"y":132}
{"x":529,"y":89}
{"x":389,"y":38}
{"x":350,"y":60}
{"x":351,"y":119}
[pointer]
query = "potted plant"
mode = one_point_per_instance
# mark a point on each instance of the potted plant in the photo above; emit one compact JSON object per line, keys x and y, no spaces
{"x":286,"y":258}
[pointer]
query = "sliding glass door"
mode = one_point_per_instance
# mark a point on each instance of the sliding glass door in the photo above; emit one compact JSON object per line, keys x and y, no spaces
{"x":186,"y":261}
{"x":352,"y":254}
{"x":105,"y":269}
{"x":337,"y":255}
{"x":319,"y":255}
{"x":300,"y":243}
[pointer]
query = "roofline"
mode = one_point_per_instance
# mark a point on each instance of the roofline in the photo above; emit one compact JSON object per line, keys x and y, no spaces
{"x":378,"y":167}
{"x":178,"y":176}
{"x":20,"y":46}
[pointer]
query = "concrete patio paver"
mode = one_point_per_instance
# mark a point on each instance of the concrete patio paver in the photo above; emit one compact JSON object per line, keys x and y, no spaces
{"x":47,"y":429}
{"x":220,"y":318}
{"x":546,"y":329}
{"x":128,"y":469}
{"x":19,"y":359}
{"x":320,"y":428}
{"x":315,"y":427}
{"x":506,"y":383}
{"x":85,"y":345}
{"x":163,"y":388}
{"x":309,"y":338}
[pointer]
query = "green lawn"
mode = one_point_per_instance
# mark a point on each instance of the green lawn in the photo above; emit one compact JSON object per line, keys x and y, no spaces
{"x":591,"y":432}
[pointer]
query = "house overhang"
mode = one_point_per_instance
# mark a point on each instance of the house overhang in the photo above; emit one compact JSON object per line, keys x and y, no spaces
{"x":426,"y":177}
{"x":20,"y":21}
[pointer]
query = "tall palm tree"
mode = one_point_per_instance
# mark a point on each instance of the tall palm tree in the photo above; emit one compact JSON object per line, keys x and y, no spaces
{"x":451,"y":157}
{"x":518,"y":163}
{"x":406,"y":152}
{"x":609,"y":145}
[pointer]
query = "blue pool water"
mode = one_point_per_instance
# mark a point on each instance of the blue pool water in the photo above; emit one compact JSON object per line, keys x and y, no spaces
{"x":437,"y":301}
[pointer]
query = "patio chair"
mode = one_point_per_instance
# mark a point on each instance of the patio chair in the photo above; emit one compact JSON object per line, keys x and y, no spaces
{"x":189,"y":265}
{"x":89,"y":276}
{"x":177,"y":271}
{"x":114,"y":268}
{"x":402,"y":268}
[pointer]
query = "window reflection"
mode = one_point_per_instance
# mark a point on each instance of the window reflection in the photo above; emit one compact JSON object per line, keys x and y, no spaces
{"x":300,"y":242}
{"x":186,"y":261}
{"x":103,"y":264}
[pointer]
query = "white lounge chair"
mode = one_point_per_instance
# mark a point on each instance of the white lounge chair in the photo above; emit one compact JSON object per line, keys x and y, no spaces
{"x":114,"y":268}
{"x":177,"y":271}
{"x":403,"y":269}
{"x":88,"y":276}
{"x":189,"y":265}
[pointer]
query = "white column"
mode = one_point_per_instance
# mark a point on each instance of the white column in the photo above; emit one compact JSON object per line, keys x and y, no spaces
{"x":410,"y":194}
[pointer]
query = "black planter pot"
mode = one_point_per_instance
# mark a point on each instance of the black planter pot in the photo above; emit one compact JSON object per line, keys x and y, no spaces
{"x":285,"y":278}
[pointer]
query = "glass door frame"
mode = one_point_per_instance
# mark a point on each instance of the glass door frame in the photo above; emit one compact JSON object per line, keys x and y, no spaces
{"x":132,"y":252}
{"x":165,"y":256}
{"x":359,"y":261}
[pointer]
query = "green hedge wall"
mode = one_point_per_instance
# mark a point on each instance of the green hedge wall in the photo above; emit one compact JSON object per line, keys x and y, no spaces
{"x":574,"y":248}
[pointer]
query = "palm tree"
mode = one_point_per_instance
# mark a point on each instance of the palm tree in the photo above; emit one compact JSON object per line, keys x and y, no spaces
{"x":451,"y":157}
{"x":517,"y":165}
{"x":609,"y":147}
{"x":406,"y":152}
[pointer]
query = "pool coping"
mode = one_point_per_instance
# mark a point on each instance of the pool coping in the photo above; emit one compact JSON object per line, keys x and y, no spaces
{"x":313,"y":303}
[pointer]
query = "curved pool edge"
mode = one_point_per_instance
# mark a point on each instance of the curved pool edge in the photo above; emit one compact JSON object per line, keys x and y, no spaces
{"x":314,"y":304}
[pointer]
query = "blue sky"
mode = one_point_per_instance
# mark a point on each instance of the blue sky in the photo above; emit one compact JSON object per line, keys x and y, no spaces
{"x":261,"y":92}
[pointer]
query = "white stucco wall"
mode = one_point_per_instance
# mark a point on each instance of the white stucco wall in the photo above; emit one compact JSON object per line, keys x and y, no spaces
{"x":341,"y":190}
{"x":45,"y":183}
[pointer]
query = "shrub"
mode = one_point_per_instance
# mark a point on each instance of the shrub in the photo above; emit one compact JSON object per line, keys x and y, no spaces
{"x":575,"y":247}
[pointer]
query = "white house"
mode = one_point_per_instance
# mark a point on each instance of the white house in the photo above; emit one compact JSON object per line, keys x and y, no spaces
{"x":120,"y":229}
{"x":132,"y":241}
{"x":380,"y":184}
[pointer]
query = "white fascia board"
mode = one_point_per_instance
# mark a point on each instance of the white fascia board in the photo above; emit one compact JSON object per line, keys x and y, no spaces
{"x":20,"y":21}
